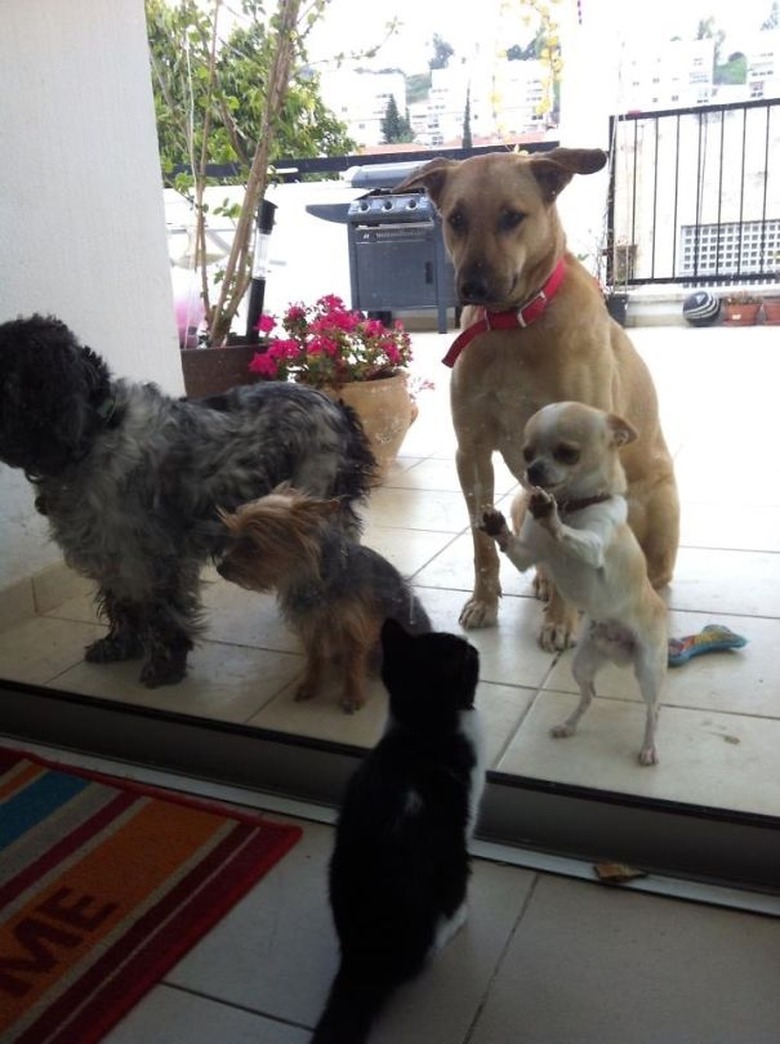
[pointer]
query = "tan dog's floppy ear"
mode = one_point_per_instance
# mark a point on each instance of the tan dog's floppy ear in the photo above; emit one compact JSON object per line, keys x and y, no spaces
{"x":555,"y":169}
{"x":622,"y":431}
{"x":432,"y":177}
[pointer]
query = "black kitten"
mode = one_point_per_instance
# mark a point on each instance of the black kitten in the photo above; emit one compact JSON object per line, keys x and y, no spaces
{"x":400,"y":866}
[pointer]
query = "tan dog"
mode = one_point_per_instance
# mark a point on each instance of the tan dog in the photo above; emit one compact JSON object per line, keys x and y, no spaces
{"x":502,"y":230}
{"x":576,"y":527}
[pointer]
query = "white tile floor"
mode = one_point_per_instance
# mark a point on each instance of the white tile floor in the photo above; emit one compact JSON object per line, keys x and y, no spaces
{"x":719,"y":726}
{"x":541,"y":960}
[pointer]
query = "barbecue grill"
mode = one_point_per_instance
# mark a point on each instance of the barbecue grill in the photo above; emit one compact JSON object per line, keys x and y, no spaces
{"x":397,"y":258}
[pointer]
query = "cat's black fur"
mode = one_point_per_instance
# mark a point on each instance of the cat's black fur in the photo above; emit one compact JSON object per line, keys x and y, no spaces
{"x":400,"y":866}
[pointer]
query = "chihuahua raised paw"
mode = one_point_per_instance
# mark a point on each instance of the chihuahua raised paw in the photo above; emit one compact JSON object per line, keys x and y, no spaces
{"x":542,"y":505}
{"x":494,"y":524}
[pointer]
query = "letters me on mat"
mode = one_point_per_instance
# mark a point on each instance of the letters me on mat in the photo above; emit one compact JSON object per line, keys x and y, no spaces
{"x":104,"y":885}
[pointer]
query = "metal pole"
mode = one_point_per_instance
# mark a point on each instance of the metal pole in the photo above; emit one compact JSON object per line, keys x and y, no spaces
{"x":264,"y":226}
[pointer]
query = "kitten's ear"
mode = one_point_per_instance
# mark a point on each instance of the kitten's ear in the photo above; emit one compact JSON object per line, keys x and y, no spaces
{"x":393,"y":635}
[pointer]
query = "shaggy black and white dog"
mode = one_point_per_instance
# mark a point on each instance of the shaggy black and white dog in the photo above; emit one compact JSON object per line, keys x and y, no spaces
{"x":131,"y":479}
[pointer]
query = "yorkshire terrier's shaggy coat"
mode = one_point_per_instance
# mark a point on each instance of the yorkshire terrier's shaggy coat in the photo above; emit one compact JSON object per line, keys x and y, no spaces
{"x":130,"y":479}
{"x":335,"y":594}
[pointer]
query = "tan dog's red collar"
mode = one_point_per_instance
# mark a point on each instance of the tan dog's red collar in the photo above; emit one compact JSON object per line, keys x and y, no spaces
{"x":512,"y":319}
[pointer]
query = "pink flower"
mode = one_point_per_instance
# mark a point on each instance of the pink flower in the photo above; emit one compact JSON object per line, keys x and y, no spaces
{"x":264,"y":364}
{"x":330,"y":303}
{"x":295,"y":313}
{"x":322,"y":345}
{"x":265,"y":323}
{"x":374,"y":328}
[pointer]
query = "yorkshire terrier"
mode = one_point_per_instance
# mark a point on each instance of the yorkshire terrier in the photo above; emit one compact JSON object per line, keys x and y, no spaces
{"x":334,"y":593}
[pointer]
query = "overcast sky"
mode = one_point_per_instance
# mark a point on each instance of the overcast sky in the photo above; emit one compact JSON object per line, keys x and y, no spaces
{"x":358,"y":24}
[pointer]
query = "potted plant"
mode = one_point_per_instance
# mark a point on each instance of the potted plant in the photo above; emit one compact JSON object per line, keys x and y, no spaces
{"x":741,"y":308}
{"x":349,"y":356}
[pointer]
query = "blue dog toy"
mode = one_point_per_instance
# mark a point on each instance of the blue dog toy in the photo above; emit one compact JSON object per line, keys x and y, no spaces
{"x":711,"y":638}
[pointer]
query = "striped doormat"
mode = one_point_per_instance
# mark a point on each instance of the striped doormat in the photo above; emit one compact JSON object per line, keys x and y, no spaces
{"x":104,"y":885}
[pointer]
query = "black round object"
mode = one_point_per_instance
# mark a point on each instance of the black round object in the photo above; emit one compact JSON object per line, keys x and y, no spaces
{"x":701,"y":308}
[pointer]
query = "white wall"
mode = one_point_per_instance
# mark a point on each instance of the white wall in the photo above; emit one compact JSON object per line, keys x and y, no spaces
{"x":82,"y":228}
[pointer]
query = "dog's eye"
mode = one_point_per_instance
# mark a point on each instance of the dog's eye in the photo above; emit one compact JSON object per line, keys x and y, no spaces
{"x":510,"y":219}
{"x":457,"y":221}
{"x":565,"y":453}
{"x":528,"y":454}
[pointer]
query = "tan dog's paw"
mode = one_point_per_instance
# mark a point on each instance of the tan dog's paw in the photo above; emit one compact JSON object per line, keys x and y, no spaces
{"x":478,"y":613}
{"x":559,"y":630}
{"x":350,"y":704}
{"x":542,"y":587}
{"x":555,"y":638}
{"x":305,"y":691}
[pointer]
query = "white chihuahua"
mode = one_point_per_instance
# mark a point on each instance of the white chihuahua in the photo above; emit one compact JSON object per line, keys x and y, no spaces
{"x":573,"y":524}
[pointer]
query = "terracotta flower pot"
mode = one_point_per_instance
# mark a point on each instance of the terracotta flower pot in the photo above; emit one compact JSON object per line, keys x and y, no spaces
{"x":771,"y":310}
{"x":740,"y":313}
{"x":386,"y":410}
{"x":212,"y":371}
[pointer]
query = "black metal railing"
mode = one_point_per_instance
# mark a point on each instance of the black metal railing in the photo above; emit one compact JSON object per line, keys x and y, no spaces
{"x":296,"y":169}
{"x":694,"y":196}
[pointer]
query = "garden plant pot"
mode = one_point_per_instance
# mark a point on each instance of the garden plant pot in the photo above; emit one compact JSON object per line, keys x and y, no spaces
{"x":213,"y":371}
{"x":771,"y":311}
{"x":740,"y":314}
{"x":386,"y":410}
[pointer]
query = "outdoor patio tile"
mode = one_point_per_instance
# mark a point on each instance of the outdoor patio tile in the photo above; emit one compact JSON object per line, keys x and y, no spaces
{"x":712,"y":759}
{"x":740,"y":681}
{"x":39,"y":649}
{"x":224,"y":682}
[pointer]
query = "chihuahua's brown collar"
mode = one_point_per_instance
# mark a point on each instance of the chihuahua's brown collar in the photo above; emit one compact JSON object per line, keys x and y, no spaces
{"x":570,"y":507}
{"x":512,"y":318}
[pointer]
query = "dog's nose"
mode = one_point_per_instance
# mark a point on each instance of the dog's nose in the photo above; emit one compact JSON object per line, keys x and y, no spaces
{"x":474,"y":289}
{"x":535,"y":473}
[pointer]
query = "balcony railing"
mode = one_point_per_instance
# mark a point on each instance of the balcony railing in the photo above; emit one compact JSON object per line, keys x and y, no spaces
{"x":694,"y":196}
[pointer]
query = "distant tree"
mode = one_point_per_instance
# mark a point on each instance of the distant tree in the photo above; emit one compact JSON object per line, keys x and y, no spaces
{"x":707,"y":30}
{"x":467,"y":142}
{"x":395,"y":127}
{"x":773,"y":21}
{"x":442,"y":52}
{"x":534,"y":49}
{"x":733,"y":70}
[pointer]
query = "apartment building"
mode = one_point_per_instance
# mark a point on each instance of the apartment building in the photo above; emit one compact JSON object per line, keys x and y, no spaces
{"x":359,"y":98}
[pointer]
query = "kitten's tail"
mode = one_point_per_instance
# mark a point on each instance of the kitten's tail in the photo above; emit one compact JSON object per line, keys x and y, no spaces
{"x":355,"y":999}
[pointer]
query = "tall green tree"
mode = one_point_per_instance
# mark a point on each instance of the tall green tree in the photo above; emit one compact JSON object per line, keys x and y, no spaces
{"x":395,"y":127}
{"x":467,"y":141}
{"x":217,"y":116}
